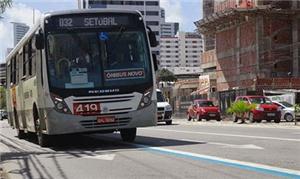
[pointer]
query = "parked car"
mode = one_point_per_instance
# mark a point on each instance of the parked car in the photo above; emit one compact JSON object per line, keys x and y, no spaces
{"x":265,"y":109}
{"x":3,"y":114}
{"x":287,"y":110}
{"x":164,"y":109}
{"x":203,"y":109}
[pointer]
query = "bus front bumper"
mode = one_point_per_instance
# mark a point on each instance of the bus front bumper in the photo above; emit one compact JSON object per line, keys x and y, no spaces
{"x":59,"y":123}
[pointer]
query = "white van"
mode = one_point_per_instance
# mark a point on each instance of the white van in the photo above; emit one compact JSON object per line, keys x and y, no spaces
{"x":164,"y":109}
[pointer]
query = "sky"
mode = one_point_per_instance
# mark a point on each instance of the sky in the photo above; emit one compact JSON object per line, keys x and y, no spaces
{"x":186,"y":12}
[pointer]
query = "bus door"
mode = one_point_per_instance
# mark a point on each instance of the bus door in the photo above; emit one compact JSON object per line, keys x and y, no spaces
{"x":21,"y":111}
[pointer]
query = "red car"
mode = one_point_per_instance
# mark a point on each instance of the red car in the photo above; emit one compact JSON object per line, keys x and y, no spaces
{"x":203,"y":109}
{"x":265,"y":109}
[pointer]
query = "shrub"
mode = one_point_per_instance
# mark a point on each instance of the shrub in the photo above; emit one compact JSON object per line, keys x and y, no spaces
{"x":240,"y":108}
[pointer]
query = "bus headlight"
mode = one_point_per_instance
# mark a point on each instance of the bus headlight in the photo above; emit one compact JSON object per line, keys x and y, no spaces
{"x":146,"y":99}
{"x":59,"y":104}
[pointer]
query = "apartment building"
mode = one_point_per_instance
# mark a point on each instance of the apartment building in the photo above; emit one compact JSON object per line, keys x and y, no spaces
{"x":169,"y":29}
{"x":182,"y":51}
{"x":19,"y":30}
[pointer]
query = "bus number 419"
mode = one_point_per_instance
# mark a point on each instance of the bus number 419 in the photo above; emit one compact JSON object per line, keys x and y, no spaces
{"x":86,"y":108}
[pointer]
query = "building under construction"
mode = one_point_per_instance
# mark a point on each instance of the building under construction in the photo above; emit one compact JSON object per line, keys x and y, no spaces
{"x":256,"y":44}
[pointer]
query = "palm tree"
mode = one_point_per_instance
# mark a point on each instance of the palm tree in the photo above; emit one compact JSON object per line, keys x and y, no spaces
{"x":4,"y":4}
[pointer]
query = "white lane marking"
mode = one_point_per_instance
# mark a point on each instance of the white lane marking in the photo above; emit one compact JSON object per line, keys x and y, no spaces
{"x":245,"y":146}
{"x":107,"y":157}
{"x":224,"y":134}
{"x":227,"y":162}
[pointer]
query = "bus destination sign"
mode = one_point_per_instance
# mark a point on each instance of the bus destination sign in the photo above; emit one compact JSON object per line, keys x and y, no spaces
{"x":90,"y":22}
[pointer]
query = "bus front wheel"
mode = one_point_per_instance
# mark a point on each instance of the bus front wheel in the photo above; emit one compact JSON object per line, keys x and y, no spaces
{"x":43,"y":139}
{"x":21,"y":134}
{"x":128,"y":135}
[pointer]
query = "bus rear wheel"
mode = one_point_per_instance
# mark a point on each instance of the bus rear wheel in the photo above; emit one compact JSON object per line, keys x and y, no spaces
{"x":128,"y":135}
{"x":20,"y":133}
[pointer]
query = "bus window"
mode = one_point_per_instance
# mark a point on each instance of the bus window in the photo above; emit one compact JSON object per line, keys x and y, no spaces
{"x":8,"y":74}
{"x":26,"y":55}
{"x":24,"y":61}
{"x":29,"y":58}
{"x":131,"y":58}
{"x":33,"y":57}
{"x":75,"y":64}
{"x":14,"y":71}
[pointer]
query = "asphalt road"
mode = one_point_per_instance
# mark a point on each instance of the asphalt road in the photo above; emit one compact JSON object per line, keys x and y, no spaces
{"x":182,"y":150}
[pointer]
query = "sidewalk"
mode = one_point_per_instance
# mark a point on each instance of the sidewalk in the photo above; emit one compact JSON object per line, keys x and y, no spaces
{"x":229,"y":122}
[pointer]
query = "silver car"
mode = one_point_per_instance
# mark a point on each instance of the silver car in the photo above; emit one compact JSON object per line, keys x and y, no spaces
{"x":287,"y":110}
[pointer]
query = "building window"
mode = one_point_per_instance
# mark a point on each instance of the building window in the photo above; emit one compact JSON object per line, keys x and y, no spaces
{"x":152,"y":13}
{"x":155,"y":23}
{"x":152,"y":3}
{"x":136,"y":3}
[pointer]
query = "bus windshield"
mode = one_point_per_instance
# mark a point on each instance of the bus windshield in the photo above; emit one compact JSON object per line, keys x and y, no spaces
{"x":98,"y":59}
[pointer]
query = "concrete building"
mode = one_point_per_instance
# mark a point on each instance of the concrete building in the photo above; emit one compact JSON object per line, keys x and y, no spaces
{"x":257,"y":45}
{"x":209,"y":39}
{"x":8,"y":50}
{"x":149,"y":8}
{"x":181,"y":51}
{"x":169,"y":29}
{"x":20,"y":30}
{"x":209,"y":61}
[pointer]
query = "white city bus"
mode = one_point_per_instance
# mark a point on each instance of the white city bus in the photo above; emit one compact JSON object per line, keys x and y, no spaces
{"x":83,"y":71}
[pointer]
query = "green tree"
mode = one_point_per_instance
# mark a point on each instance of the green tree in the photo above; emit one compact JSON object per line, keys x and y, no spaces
{"x":2,"y":98}
{"x":4,"y":4}
{"x":240,"y":109}
{"x":166,"y":75}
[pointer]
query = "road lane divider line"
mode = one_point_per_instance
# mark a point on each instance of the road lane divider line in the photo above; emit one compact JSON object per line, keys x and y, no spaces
{"x":260,"y":168}
{"x":224,"y":134}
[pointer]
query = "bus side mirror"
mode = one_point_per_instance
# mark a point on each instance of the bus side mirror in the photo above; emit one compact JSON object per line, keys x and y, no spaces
{"x":152,"y":37}
{"x":39,"y":41}
{"x":155,"y":62}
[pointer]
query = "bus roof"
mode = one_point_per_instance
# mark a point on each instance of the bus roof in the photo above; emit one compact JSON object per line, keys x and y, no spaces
{"x":64,"y":12}
{"x":87,"y":11}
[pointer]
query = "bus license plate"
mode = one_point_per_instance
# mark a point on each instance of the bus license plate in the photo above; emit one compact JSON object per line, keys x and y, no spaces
{"x":86,"y":108}
{"x":106,"y":119}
